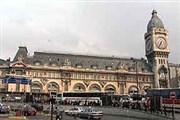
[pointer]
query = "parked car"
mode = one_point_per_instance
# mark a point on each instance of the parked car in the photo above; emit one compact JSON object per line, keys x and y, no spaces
{"x":29,"y":111}
{"x":4,"y":108}
{"x":73,"y":111}
{"x":90,"y":113}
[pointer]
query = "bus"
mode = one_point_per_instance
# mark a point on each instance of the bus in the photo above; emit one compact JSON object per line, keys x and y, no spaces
{"x":161,"y":97}
{"x":117,"y":100}
{"x":81,"y":96}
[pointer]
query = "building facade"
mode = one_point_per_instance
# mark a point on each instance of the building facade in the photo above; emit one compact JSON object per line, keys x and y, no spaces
{"x":157,"y":51}
{"x":51,"y":73}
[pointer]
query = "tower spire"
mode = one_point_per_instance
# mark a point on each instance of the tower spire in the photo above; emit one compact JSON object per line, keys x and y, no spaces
{"x":154,"y":13}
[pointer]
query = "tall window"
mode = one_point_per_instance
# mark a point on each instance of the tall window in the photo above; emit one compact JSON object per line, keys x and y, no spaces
{"x":49,"y":74}
{"x":36,"y":74}
{"x":40,"y":74}
{"x":53,"y":74}
{"x":94,"y":76}
{"x":87,"y":76}
{"x":79,"y":76}
{"x":44,"y":73}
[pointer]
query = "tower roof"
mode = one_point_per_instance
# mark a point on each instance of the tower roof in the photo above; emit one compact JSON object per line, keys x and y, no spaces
{"x":155,"y":21}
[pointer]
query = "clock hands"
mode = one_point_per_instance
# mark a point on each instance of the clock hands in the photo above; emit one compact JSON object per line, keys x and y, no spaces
{"x":161,"y":42}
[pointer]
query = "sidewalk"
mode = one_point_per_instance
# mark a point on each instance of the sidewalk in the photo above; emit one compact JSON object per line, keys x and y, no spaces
{"x":177,"y":116}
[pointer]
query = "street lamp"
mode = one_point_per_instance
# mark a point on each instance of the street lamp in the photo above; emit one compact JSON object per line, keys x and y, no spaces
{"x":135,"y":61}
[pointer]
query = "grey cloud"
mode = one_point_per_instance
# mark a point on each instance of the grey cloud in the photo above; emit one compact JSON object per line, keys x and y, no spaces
{"x":99,"y":28}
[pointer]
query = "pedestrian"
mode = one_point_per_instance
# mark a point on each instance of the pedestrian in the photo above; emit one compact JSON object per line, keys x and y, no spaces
{"x":59,"y":115}
{"x":172,"y":112}
{"x":145,"y":106}
{"x":164,"y":110}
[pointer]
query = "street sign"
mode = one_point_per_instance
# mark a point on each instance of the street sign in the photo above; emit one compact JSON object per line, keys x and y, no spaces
{"x":172,"y":95}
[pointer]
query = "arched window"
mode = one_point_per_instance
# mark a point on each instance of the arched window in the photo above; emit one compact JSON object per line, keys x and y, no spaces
{"x":79,"y":87}
{"x":110,"y":88}
{"x":133,"y":89}
{"x":95,"y":87}
{"x":36,"y":87}
{"x":53,"y":86}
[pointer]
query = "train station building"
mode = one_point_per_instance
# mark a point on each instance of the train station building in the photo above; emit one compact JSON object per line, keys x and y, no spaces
{"x":45,"y":74}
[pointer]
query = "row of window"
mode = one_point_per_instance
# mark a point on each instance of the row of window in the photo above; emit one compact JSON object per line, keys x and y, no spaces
{"x":88,"y":76}
{"x":95,"y":66}
{"x":44,"y":74}
{"x":140,"y":79}
{"x":162,"y":61}
{"x":93,"y":76}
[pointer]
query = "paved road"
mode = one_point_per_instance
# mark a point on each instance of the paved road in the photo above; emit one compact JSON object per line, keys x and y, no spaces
{"x":105,"y":117}
{"x":116,"y":113}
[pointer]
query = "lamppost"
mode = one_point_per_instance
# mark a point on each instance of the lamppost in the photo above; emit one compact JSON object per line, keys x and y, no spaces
{"x":135,"y":61}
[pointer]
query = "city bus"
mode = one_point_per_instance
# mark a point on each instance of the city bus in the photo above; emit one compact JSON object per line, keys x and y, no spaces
{"x":81,"y":96}
{"x":161,"y":97}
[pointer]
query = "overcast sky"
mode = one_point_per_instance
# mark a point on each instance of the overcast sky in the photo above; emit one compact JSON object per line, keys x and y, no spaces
{"x":91,"y":28}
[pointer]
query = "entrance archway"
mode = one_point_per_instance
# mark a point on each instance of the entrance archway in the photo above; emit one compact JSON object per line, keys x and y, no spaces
{"x":110,"y":88}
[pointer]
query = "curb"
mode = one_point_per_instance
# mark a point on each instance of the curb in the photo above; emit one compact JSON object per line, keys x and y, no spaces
{"x":17,"y":118}
{"x":153,"y":114}
{"x":129,"y":116}
{"x":138,"y":117}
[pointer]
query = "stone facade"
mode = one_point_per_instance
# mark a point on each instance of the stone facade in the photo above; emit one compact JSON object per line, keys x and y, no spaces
{"x":53,"y":72}
{"x":48,"y":73}
{"x":174,"y":75}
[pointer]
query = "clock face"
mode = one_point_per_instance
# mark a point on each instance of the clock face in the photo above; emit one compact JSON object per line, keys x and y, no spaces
{"x":161,"y":43}
{"x":148,"y":45}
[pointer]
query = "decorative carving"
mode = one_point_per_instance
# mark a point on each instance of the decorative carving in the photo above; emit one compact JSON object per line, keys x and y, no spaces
{"x":121,"y":83}
{"x":87,"y":82}
{"x":66,"y":74}
{"x":141,"y":85}
{"x":162,"y":72}
{"x":44,"y":81}
{"x":67,"y":62}
{"x":102,"y":83}
{"x":66,"y":81}
{"x":122,"y":66}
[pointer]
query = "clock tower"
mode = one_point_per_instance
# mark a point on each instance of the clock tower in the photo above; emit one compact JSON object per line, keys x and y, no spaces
{"x":157,"y":50}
